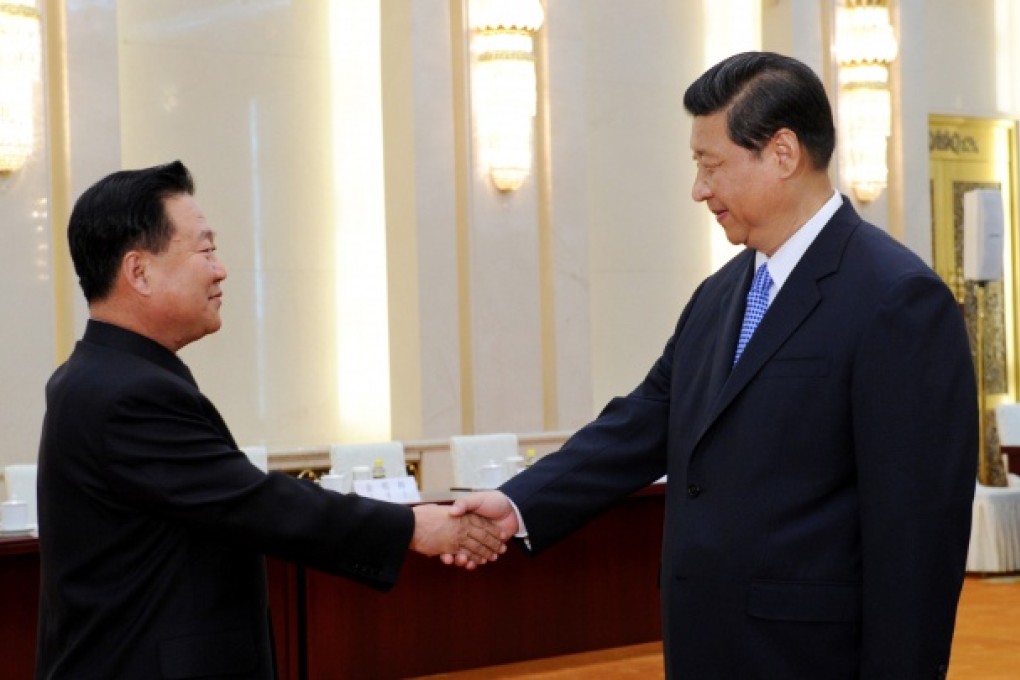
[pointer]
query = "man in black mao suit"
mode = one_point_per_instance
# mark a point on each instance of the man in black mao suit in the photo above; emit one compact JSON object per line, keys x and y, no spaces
{"x":820,"y":485}
{"x":152,"y":523}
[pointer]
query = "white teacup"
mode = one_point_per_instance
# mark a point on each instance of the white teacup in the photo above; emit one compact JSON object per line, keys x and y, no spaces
{"x":14,"y":515}
{"x":513,"y":465}
{"x":335,"y":482}
{"x":20,"y":482}
{"x":490,"y":475}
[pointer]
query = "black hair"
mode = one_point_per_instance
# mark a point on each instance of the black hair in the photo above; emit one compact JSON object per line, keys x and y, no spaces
{"x":762,"y":93}
{"x":121,"y":212}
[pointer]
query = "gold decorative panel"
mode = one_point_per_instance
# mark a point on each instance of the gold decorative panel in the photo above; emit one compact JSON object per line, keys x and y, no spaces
{"x":966,"y":154}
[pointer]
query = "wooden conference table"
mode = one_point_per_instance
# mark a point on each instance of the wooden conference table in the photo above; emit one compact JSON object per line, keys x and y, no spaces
{"x":596,"y":589}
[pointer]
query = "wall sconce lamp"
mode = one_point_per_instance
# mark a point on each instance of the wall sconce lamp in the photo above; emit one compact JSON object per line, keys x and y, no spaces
{"x":865,"y":46}
{"x":19,"y":69}
{"x":503,"y":85}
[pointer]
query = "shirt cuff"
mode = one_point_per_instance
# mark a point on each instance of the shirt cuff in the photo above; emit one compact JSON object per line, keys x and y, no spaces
{"x":522,"y":531}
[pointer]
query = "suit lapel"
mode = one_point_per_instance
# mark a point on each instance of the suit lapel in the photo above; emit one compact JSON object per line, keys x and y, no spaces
{"x":796,"y":300}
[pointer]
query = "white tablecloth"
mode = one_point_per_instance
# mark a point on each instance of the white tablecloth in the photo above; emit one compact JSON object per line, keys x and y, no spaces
{"x":995,"y":528}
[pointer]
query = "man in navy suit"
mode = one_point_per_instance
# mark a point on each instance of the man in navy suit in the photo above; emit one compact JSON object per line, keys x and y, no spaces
{"x":153,"y":524}
{"x":821,"y":464}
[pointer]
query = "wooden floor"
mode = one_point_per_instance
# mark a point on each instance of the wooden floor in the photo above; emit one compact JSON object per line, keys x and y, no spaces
{"x":985,"y":646}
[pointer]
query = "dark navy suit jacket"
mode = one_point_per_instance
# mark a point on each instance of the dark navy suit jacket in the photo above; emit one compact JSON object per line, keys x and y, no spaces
{"x":819,"y":492}
{"x":153,"y":524}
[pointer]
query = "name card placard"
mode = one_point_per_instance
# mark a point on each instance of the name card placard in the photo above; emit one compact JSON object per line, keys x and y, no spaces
{"x":393,"y":489}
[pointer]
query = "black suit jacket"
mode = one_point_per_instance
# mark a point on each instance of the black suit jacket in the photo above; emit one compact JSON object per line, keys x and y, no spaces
{"x":819,"y":492}
{"x":153,"y":524}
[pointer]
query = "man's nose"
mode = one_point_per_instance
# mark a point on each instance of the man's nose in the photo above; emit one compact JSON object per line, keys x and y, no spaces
{"x":700,"y":191}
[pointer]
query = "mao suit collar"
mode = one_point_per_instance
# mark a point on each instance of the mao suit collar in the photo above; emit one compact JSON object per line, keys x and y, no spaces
{"x":118,"y":338}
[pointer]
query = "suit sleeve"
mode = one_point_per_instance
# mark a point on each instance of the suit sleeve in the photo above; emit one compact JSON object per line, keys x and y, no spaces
{"x":621,"y":451}
{"x":915,"y":429}
{"x":167,"y":454}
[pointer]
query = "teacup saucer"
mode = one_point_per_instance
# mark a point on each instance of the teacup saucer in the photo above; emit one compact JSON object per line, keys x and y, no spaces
{"x":25,"y":531}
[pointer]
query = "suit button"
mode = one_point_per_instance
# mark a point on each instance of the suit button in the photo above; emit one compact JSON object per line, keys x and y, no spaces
{"x":693,"y":490}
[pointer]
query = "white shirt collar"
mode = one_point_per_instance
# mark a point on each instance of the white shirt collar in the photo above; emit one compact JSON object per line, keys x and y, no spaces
{"x":783,"y":261}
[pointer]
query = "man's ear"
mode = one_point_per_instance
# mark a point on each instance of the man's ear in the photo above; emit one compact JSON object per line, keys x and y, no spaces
{"x":134,"y":271}
{"x":787,"y":151}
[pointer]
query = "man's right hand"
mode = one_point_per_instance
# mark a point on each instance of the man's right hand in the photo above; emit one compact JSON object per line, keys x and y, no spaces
{"x":492,"y":505}
{"x":474,"y":539}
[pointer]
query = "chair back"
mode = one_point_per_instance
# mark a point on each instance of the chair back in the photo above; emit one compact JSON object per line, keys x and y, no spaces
{"x":258,"y":455}
{"x":470,"y":453}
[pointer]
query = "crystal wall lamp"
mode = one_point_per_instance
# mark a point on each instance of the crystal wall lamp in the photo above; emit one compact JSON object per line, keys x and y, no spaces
{"x":865,"y":46}
{"x":503,"y":85}
{"x":19,"y":70}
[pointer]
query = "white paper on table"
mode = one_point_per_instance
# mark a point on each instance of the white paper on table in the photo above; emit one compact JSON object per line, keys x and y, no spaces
{"x":393,"y":489}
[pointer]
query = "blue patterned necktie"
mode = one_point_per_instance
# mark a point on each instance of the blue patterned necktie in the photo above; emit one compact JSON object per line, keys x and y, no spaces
{"x":757,"y":303}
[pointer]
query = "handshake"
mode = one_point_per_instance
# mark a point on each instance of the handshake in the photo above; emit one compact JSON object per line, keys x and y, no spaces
{"x":471,"y":532}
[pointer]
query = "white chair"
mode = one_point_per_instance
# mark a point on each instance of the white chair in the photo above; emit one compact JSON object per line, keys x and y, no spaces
{"x":470,"y":453}
{"x":1007,"y":420}
{"x":995,"y":528}
{"x":258,"y":455}
{"x":995,"y":523}
{"x":343,"y":458}
{"x":20,"y":481}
